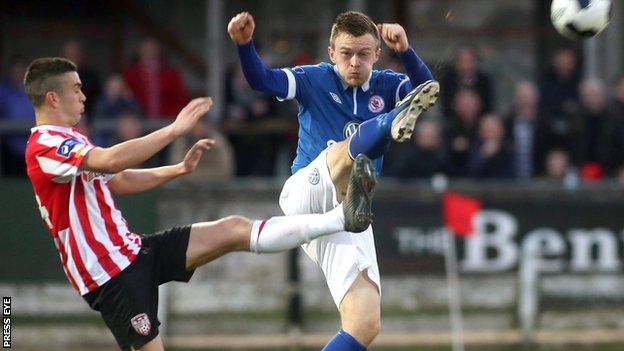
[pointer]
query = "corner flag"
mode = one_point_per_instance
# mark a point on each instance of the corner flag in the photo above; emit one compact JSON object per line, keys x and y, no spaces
{"x":458,"y":211}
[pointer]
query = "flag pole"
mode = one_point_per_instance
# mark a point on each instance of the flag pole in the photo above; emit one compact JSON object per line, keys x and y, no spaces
{"x":452,"y":283}
{"x":440,"y":185}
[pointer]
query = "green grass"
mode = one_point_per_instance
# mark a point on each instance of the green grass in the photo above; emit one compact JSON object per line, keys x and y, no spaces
{"x":610,"y":347}
{"x":613,"y":347}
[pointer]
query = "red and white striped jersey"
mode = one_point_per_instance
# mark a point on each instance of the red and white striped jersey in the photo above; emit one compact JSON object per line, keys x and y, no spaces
{"x":90,"y":234}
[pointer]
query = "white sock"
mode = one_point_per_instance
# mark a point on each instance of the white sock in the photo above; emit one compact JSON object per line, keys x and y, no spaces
{"x":287,"y":232}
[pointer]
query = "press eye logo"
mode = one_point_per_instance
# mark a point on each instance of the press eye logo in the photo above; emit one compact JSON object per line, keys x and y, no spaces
{"x":6,"y":322}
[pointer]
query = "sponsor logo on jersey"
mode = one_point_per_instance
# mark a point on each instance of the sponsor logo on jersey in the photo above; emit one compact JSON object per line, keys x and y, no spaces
{"x":314,"y":177}
{"x":67,"y":146}
{"x":335,"y":97}
{"x":141,"y":324}
{"x":350,"y":128}
{"x":299,"y":70}
{"x":376,"y":104}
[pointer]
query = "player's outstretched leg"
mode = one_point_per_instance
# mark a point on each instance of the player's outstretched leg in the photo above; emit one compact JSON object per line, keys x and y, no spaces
{"x":373,"y":136}
{"x":210,"y":240}
{"x":358,"y":201}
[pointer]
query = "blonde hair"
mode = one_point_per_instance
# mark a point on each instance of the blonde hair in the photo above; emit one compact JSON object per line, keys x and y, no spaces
{"x":355,"y":24}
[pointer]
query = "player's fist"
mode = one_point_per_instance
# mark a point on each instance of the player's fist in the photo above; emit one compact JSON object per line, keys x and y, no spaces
{"x":394,"y":36}
{"x":241,"y":28}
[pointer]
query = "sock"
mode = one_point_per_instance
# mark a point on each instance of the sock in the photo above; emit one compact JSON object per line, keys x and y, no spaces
{"x":372,"y":138}
{"x":343,"y":341}
{"x":287,"y":232}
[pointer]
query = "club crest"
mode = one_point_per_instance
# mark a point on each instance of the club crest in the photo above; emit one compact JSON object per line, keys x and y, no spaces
{"x":141,"y":324}
{"x":314,"y":177}
{"x":376,"y":104}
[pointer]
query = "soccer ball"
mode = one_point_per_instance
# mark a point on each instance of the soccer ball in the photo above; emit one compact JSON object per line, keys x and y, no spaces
{"x":580,"y":19}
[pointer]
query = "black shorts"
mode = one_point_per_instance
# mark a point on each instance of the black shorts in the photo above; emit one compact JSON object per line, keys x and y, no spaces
{"x":128,"y":302}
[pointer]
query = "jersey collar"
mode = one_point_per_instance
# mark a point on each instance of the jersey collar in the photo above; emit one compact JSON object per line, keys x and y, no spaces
{"x":345,"y":86}
{"x":51,"y":127}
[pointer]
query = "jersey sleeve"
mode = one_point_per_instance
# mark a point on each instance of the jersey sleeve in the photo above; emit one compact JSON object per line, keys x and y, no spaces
{"x":260,"y":78}
{"x":60,"y":156}
{"x":404,"y":87}
{"x":396,"y":84}
{"x":302,"y":80}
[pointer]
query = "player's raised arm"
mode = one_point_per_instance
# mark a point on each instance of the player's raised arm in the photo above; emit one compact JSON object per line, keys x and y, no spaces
{"x":132,"y":181}
{"x":133,"y":152}
{"x":395,"y":38}
{"x":259,"y":77}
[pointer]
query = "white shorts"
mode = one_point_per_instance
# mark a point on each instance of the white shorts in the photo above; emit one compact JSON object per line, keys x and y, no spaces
{"x":341,"y":256}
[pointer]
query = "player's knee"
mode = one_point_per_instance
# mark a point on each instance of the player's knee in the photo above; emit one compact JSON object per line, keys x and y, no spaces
{"x":365,"y":330}
{"x":371,"y":325}
{"x":236,"y":222}
{"x":238,"y":228}
{"x":369,"y":332}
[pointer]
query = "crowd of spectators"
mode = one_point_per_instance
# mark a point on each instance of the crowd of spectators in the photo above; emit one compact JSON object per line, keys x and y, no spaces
{"x":558,"y":127}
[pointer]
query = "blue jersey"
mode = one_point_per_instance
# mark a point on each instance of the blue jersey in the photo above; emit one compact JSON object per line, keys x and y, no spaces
{"x":330,"y":111}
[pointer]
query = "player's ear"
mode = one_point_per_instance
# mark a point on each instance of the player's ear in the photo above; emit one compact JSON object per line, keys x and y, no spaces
{"x":331,"y":53}
{"x":377,"y":54}
{"x":51,"y":99}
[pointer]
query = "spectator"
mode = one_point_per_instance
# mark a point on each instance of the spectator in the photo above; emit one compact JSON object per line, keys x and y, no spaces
{"x":620,"y":175}
{"x":156,"y":85}
{"x":91,"y":85}
{"x":128,"y":127}
{"x":15,"y":106}
{"x":489,"y":155}
{"x":557,"y":165}
{"x":523,"y":131}
{"x":116,"y":100}
{"x":249,"y":111}
{"x":216,"y":164}
{"x":421,"y":158}
{"x":593,"y":124}
{"x":465,"y":74}
{"x":559,"y":100}
{"x":461,"y":130}
{"x":615,"y":129}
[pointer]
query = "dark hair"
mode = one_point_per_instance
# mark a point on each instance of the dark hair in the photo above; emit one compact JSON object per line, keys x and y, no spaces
{"x":355,"y":24}
{"x":42,"y":76}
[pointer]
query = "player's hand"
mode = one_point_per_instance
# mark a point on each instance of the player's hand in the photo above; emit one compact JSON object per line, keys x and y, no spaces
{"x":190,"y":114}
{"x":189,"y":164}
{"x":241,"y":28}
{"x":394,"y":36}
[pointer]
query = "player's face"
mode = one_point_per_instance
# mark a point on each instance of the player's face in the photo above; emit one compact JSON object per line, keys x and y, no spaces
{"x":354,"y":57}
{"x":71,"y":99}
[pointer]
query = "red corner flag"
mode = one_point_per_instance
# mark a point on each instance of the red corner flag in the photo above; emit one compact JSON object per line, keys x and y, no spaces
{"x":458,"y":211}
